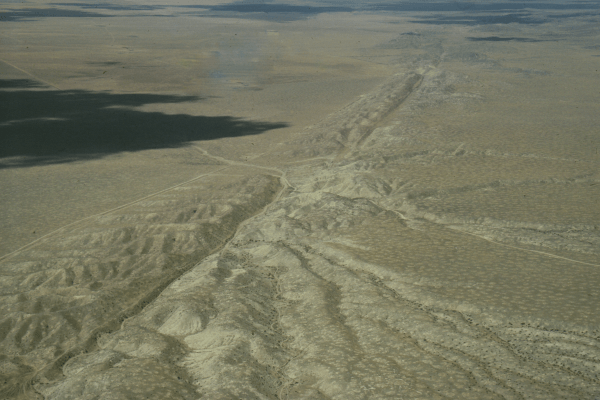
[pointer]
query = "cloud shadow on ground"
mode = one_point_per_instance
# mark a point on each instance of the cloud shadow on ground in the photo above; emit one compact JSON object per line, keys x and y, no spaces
{"x":503,"y":39}
{"x":470,"y":19}
{"x":467,"y":12}
{"x":489,"y":19}
{"x":37,"y":13}
{"x":40,"y":126}
{"x":245,"y":10}
{"x":114,"y":7}
{"x":264,"y":11}
{"x":479,"y":6}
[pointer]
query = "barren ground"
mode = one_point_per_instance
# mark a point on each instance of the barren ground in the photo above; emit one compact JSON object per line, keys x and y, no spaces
{"x":307,"y":201}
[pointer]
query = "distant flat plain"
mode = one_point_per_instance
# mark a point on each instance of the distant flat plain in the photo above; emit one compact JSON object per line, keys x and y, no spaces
{"x":300,"y":200}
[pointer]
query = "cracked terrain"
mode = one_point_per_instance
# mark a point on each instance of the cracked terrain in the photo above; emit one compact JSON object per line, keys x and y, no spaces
{"x":430,"y":232}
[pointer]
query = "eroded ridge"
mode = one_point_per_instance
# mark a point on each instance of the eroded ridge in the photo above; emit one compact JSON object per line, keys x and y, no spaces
{"x":60,"y":295}
{"x":284,"y":312}
{"x":352,"y":125}
{"x":394,"y":263}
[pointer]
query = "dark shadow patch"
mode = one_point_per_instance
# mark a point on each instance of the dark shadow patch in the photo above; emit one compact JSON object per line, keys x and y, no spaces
{"x":276,"y":8}
{"x":264,"y":11}
{"x":112,"y":7}
{"x":20,"y":84}
{"x":486,"y":12}
{"x":480,"y":6}
{"x":37,"y":13}
{"x":521,"y":18}
{"x":503,"y":39}
{"x":573,"y":15}
{"x":516,"y":18}
{"x":104,"y":63}
{"x":51,"y":126}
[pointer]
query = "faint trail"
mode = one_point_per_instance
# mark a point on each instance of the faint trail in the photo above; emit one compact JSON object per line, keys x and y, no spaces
{"x":281,"y":176}
{"x":32,"y":75}
{"x":522,"y":249}
{"x":403,"y":217}
{"x":243,"y":164}
{"x":6,"y":256}
{"x":328,"y":158}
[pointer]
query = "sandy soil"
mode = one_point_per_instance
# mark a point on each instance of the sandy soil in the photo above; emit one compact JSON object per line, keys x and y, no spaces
{"x":371,"y":202}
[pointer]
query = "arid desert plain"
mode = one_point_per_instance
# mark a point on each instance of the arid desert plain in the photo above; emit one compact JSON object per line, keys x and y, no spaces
{"x":299,"y":200}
